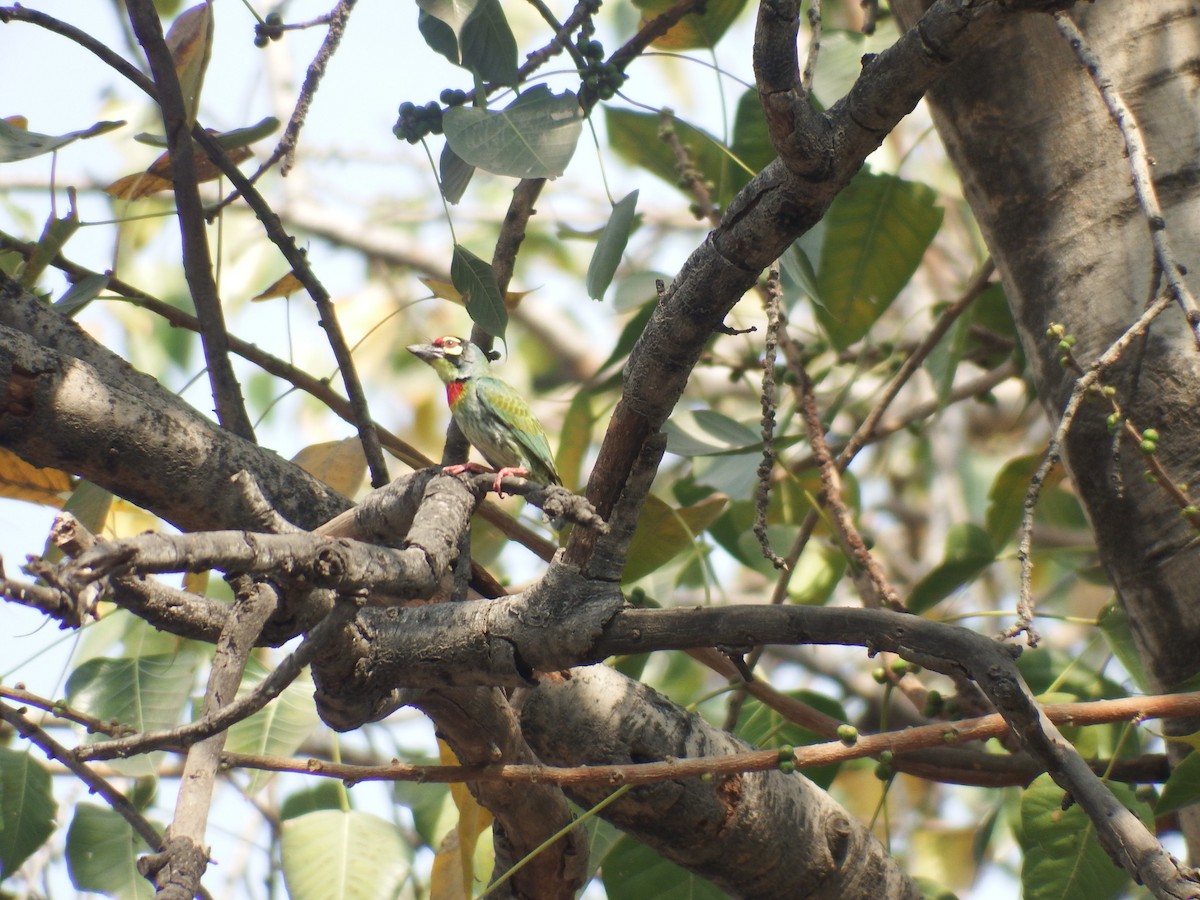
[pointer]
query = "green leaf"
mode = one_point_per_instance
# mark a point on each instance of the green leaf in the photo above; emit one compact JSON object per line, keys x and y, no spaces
{"x":81,"y":293}
{"x":228,"y":140}
{"x":751,"y":140}
{"x":767,"y":729}
{"x":1182,"y":788}
{"x":1006,"y":497}
{"x":27,"y":808}
{"x":636,"y":138}
{"x":703,"y":432}
{"x":876,"y":233}
{"x":797,"y":261}
{"x":968,"y":552}
{"x":324,"y":794}
{"x":453,"y":175}
{"x":279,"y":728}
{"x":102,"y":852}
{"x":576,"y":438}
{"x":663,"y":532}
{"x":147,"y":693}
{"x":476,"y":281}
{"x":433,"y":810}
{"x":841,"y":59}
{"x":695,"y":30}
{"x":1114,"y":625}
{"x":488,"y":47}
{"x":532,"y":137}
{"x":816,"y":574}
{"x":54,"y":235}
{"x":349,"y":855}
{"x":440,"y":37}
{"x":631,"y":869}
{"x":942,"y":363}
{"x":90,"y":504}
{"x":441,"y":23}
{"x":1063,"y":859}
{"x":610,"y":246}
{"x":17,"y":143}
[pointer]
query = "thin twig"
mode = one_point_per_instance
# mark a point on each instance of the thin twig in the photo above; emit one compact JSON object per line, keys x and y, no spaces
{"x":691,"y":179}
{"x":878,"y":591}
{"x":95,"y":783}
{"x":265,"y":691}
{"x":762,"y":492}
{"x":814,"y":46}
{"x":938,"y":734}
{"x":286,"y":148}
{"x":1025,"y":603}
{"x":974,"y":289}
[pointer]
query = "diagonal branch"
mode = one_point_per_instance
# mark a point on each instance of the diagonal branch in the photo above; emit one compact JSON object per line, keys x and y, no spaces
{"x":197,"y":263}
{"x":819,"y":154}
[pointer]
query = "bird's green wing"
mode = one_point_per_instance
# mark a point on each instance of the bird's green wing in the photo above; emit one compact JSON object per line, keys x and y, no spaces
{"x":513,"y":415}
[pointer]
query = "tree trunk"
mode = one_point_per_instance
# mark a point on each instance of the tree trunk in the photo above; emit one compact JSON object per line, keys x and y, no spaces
{"x":1047,"y":174}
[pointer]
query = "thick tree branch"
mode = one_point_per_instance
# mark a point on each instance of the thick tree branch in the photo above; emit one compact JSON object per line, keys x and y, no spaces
{"x":185,"y":855}
{"x":71,"y":404}
{"x":755,"y":834}
{"x":819,"y":156}
{"x":271,"y":223}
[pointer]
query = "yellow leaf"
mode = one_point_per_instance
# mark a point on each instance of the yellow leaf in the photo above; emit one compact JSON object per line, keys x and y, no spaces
{"x":158,"y":176}
{"x":137,"y":186}
{"x":944,"y":855}
{"x":190,"y":42}
{"x":695,"y":30}
{"x":284,"y":287}
{"x":196,"y":582}
{"x":453,"y":868}
{"x":340,"y":464}
{"x":21,"y":481}
{"x":125,"y":519}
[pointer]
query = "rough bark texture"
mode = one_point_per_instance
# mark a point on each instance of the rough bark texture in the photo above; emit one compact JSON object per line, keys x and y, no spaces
{"x":730,"y":826}
{"x":1046,"y":173}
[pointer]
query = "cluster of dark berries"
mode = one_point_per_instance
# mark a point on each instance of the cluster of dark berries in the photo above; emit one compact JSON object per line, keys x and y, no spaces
{"x":269,"y":29}
{"x":417,"y":121}
{"x":601,"y":79}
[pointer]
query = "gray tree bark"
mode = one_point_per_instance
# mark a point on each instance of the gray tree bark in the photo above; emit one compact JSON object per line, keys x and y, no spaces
{"x":1046,"y":173}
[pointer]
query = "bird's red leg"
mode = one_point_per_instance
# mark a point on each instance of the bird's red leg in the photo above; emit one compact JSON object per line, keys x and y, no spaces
{"x":472,"y":467}
{"x":508,"y":470}
{"x":478,"y":469}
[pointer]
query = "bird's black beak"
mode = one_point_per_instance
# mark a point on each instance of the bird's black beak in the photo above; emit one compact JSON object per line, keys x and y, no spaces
{"x":427,"y":352}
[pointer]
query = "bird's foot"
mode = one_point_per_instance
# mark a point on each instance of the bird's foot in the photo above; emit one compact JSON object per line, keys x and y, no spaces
{"x":477,"y":469}
{"x":458,"y":468}
{"x":507,"y":470}
{"x":474,"y":468}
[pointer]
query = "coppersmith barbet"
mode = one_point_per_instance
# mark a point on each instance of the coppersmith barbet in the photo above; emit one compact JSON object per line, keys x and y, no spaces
{"x":492,"y":416}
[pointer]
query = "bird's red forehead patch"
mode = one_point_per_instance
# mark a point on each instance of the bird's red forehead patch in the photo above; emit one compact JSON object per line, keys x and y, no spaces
{"x":453,"y":391}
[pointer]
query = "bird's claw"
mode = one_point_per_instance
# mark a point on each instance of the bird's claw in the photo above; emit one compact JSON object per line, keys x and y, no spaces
{"x":507,"y":470}
{"x":476,"y":468}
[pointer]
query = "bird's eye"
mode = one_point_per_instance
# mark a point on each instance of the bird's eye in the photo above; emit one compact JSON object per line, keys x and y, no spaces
{"x":451,"y":346}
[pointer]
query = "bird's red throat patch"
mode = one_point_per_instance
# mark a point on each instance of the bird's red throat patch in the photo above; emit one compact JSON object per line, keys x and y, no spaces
{"x":453,"y":391}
